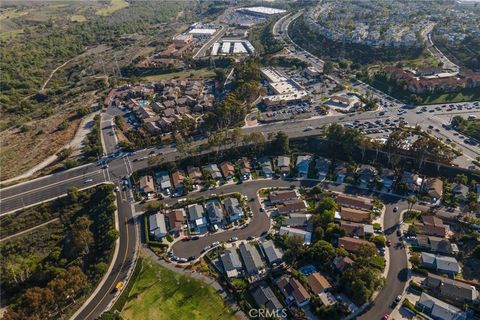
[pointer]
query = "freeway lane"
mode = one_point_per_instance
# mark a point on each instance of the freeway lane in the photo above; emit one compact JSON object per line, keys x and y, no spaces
{"x":47,"y":180}
{"x":48,"y":190}
{"x":124,"y":260}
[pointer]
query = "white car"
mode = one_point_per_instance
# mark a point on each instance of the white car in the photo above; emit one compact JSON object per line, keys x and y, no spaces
{"x":88,"y":181}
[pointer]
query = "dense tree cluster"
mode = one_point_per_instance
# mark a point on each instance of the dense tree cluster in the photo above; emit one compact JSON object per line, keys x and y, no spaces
{"x":470,"y":128}
{"x":39,"y":278}
{"x":232,"y":110}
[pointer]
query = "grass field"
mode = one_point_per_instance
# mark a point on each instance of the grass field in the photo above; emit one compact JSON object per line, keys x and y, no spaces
{"x":200,"y":73}
{"x":78,"y":18}
{"x":115,"y":5}
{"x":160,"y":293}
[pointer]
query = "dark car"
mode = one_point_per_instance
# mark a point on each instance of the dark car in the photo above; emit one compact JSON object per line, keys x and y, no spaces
{"x":399,"y":233}
{"x":191,"y":258}
{"x":195,"y":237}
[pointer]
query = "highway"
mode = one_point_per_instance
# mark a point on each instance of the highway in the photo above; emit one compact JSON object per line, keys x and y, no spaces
{"x":52,"y":186}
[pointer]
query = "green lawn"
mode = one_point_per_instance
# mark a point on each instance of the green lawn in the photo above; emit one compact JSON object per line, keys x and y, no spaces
{"x":160,"y":293}
{"x":115,"y":5}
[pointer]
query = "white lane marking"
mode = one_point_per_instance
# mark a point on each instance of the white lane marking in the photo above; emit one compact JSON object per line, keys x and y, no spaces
{"x":54,"y":184}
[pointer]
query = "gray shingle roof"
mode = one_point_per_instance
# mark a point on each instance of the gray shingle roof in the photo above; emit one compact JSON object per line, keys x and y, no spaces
{"x":251,"y":259}
{"x":273,"y":253}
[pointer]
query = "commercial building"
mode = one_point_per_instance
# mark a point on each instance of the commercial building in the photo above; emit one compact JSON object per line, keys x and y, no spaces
{"x":232,"y":46}
{"x":286,"y":91}
{"x":261,"y":11}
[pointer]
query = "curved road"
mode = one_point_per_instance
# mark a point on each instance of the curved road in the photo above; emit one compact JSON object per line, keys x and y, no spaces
{"x":398,"y":269}
{"x":105,"y":294}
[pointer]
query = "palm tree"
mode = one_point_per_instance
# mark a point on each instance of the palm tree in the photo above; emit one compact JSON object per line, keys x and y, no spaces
{"x":411,"y":202}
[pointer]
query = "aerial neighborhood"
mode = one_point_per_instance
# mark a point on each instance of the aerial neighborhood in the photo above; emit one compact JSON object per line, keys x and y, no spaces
{"x":279,"y":159}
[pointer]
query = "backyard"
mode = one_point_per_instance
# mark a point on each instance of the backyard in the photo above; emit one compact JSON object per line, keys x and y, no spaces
{"x":160,"y":293}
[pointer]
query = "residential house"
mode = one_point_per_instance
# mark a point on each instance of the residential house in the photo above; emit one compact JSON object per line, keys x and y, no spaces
{"x":450,"y":289}
{"x":302,"y":165}
{"x":163,"y":180}
{"x":251,"y":259}
{"x":353,"y":228}
{"x":318,"y":283}
{"x":443,"y":264}
{"x":460,"y":191}
{"x":297,"y":220}
{"x":434,"y":188}
{"x":354,"y":202}
{"x":342,"y":263}
{"x":266,"y":167}
{"x":273,"y":254}
{"x":276,"y":197}
{"x":245,"y":168}
{"x":368,"y":230}
{"x":387,"y":178}
{"x":327,"y":298}
{"x":283,"y":163}
{"x":212,"y":170}
{"x":439,"y":310}
{"x":294,"y":232}
{"x":322,"y":165}
{"x":366,"y":173}
{"x":354,"y":215}
{"x":352,"y":244}
{"x":197,"y":218}
{"x":146,"y":185}
{"x":214,"y":212}
{"x":290,"y":206}
{"x":231,"y":263}
{"x":233,"y":208}
{"x":195,"y":174}
{"x":437,"y":244}
{"x":156,"y":226}
{"x":177,"y":178}
{"x":341,"y":171}
{"x":228,"y":170}
{"x":264,"y":297}
{"x":432,"y":226}
{"x":293,"y":291}
{"x":176,"y":219}
{"x":412,"y":181}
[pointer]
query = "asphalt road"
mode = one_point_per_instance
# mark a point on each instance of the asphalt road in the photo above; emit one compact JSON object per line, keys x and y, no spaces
{"x":258,"y":223}
{"x":398,"y":270}
{"x":124,"y":260}
{"x":52,"y":186}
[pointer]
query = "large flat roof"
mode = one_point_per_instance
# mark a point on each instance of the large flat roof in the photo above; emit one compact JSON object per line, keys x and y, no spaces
{"x":200,"y":31}
{"x":264,"y":10}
